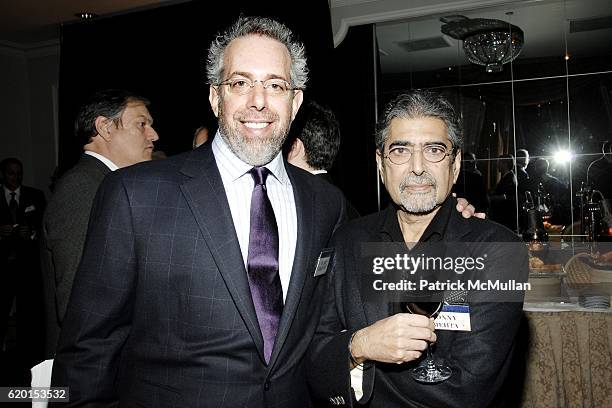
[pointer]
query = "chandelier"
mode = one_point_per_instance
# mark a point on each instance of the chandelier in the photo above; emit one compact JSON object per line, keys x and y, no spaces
{"x":487,"y":42}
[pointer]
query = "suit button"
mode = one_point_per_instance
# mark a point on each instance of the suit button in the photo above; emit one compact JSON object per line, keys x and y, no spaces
{"x":267,"y":385}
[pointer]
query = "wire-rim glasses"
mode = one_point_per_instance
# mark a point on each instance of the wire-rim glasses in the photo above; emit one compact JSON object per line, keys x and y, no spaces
{"x":433,"y":153}
{"x":272,"y":86}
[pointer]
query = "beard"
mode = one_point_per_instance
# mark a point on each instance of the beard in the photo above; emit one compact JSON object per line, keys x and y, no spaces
{"x":253,"y":151}
{"x":419,"y":202}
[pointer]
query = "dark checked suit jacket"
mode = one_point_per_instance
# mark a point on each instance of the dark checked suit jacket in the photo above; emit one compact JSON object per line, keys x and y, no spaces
{"x":480,"y":359}
{"x":161,"y":313}
{"x":64,"y":229}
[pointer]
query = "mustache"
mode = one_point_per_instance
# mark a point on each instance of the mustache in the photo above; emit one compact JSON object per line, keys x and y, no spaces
{"x":256,"y":117}
{"x":411,"y":180}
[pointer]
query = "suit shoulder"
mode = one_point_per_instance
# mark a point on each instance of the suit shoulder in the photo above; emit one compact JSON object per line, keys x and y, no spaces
{"x":317,"y":183}
{"x":79,"y":178}
{"x":160,"y":170}
{"x":361,"y":228}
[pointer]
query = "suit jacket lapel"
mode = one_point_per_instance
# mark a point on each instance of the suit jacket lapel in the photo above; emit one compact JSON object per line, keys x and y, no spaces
{"x":205,"y":195}
{"x":305,"y":205}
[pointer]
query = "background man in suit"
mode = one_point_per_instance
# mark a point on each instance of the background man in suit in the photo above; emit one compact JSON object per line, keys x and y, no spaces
{"x":471,"y":183}
{"x":115,"y":129}
{"x":503,"y":199}
{"x":21,"y":209}
{"x":314,"y":141}
{"x":195,"y":288}
{"x":418,"y":154}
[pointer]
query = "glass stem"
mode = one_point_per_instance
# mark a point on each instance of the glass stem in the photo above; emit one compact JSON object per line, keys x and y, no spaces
{"x":429,"y":358}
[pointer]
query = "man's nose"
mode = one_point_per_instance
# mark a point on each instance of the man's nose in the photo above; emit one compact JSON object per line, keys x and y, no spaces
{"x":416,"y":162}
{"x":257,"y":96}
{"x":152,"y":135}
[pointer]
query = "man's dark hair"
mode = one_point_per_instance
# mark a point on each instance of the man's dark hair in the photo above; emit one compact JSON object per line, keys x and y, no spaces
{"x":541,"y":166}
{"x":109,"y":103}
{"x":7,"y":162}
{"x":316,"y":126}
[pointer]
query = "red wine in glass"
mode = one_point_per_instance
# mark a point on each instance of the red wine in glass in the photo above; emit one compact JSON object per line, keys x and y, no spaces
{"x":429,"y":371}
{"x":429,"y":309}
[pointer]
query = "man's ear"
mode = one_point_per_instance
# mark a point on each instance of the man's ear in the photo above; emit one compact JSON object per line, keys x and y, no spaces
{"x":456,"y":166}
{"x":103,"y":127}
{"x":298,"y":97}
{"x":297,"y":149}
{"x":213,"y":98}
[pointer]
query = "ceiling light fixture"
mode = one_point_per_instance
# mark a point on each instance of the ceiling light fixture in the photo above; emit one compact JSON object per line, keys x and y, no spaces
{"x":487,"y":42}
{"x":85,"y":15}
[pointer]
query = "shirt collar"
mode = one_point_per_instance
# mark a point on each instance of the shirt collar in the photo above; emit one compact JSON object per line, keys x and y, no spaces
{"x":7,"y":193}
{"x":435,"y":231}
{"x":112,"y":166}
{"x":232,"y":168}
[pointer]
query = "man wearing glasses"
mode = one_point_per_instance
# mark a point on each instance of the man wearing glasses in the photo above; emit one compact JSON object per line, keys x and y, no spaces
{"x":200,"y":284}
{"x":195,"y":288}
{"x":418,"y":154}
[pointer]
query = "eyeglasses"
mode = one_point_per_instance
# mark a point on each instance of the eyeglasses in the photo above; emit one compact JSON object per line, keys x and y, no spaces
{"x":272,"y":87}
{"x":431,"y":153}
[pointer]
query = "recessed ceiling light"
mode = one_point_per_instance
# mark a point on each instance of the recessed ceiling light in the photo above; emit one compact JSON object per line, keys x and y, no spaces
{"x":86,"y":15}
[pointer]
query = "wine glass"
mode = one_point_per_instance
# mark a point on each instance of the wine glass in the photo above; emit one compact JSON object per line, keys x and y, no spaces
{"x":429,"y":371}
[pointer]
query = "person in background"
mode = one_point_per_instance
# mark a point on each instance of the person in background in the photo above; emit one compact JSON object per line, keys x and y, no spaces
{"x":21,"y":209}
{"x":471,"y":184}
{"x":115,"y":128}
{"x":503,"y":199}
{"x":200,"y":136}
{"x":313,"y":143}
{"x":560,"y":199}
{"x":522,"y":161}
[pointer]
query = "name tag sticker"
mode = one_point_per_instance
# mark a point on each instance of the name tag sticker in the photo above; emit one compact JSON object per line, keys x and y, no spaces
{"x":454,"y":317}
{"x":324,"y":261}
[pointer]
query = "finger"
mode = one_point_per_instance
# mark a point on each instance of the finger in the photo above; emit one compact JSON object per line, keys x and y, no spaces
{"x":480,"y":215}
{"x":469,"y":211}
{"x":414,"y":320}
{"x":416,"y":345}
{"x":411,"y":355}
{"x":417,"y":333}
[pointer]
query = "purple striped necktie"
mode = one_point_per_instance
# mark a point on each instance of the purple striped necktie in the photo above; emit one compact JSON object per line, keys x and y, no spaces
{"x":262,"y":262}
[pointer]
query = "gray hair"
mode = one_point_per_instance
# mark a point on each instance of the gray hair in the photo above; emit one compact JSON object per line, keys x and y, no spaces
{"x":420,"y":104}
{"x":257,"y":26}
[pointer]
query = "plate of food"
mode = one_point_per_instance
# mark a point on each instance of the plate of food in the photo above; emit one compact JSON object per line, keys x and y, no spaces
{"x":537,"y":266}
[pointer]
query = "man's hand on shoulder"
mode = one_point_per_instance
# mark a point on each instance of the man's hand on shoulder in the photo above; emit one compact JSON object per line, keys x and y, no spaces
{"x":466,"y":209}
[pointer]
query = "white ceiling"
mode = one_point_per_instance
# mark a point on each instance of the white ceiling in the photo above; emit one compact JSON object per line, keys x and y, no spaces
{"x":545,"y":25}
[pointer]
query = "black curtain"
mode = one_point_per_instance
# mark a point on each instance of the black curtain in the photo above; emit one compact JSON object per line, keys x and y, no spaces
{"x":161,"y":53}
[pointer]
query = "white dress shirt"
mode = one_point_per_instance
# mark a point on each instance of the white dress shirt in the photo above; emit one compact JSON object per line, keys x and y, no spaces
{"x":112,"y":166}
{"x":239,"y":185}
